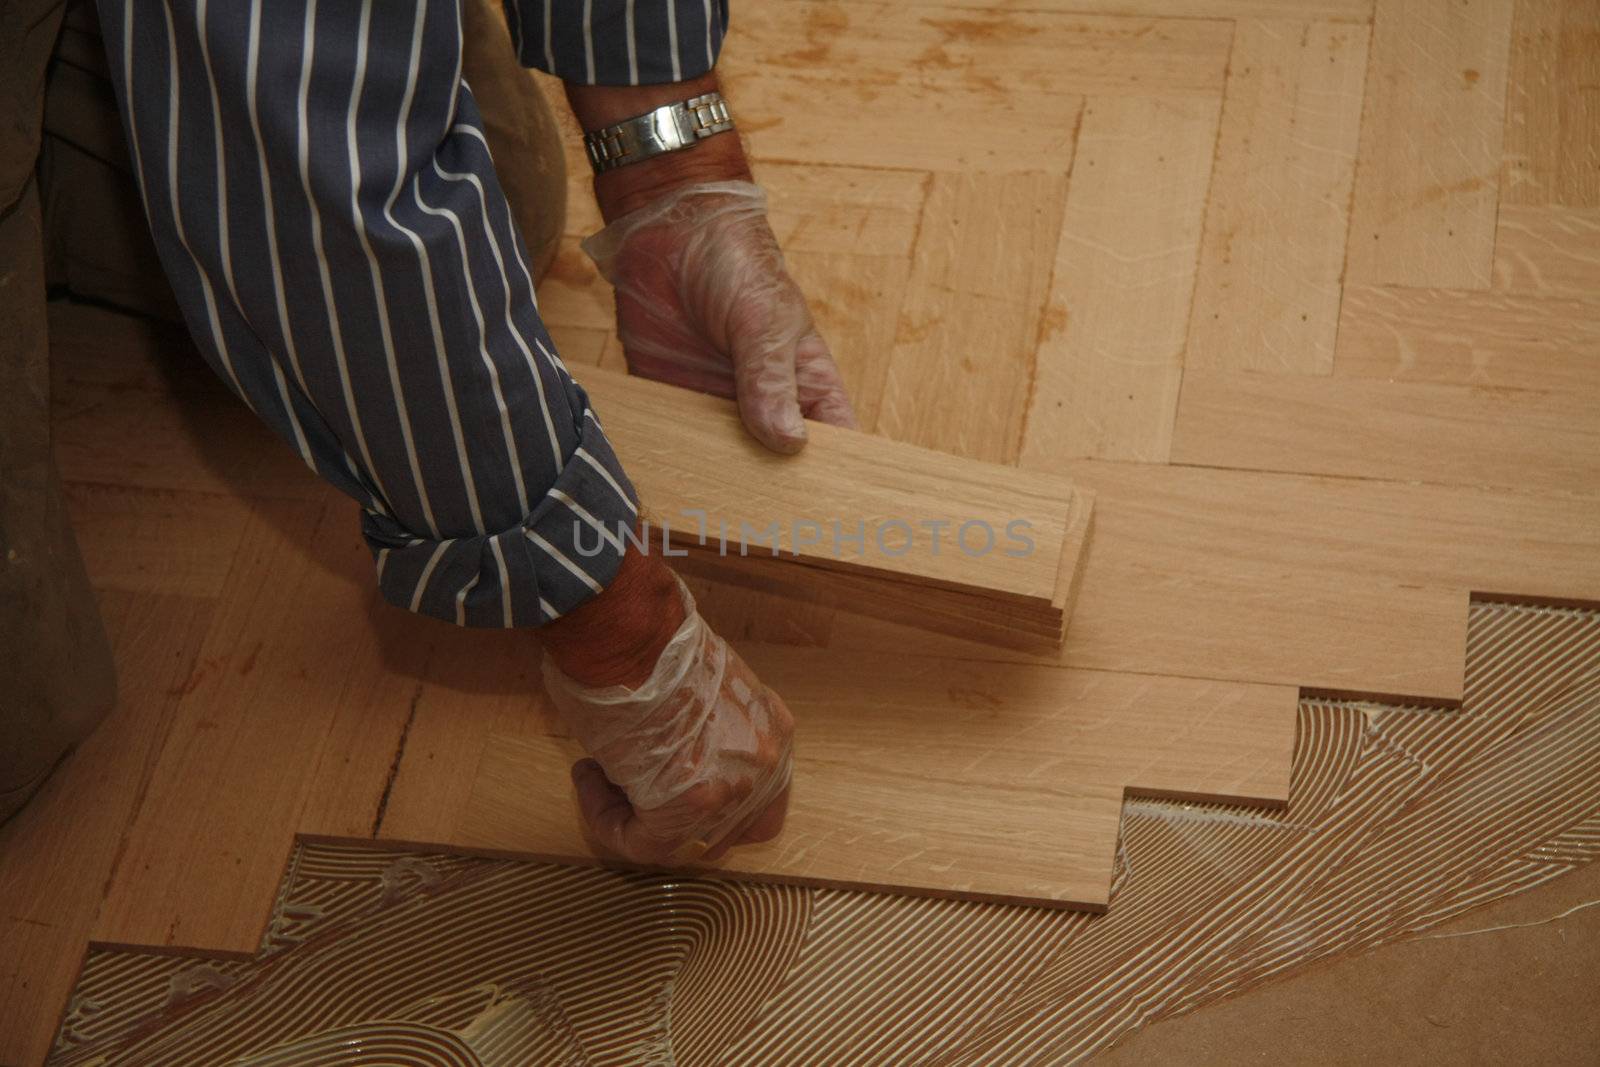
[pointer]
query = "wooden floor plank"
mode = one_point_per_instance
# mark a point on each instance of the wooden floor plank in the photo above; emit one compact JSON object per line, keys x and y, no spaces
{"x":1361,"y":428}
{"x":1007,"y":82}
{"x":156,"y":540}
{"x":925,"y":521}
{"x":963,"y":355}
{"x":1333,"y":10}
{"x":1111,"y":354}
{"x":1551,"y":251}
{"x":476,"y":683}
{"x":1451,"y":336}
{"x":1339,"y":635}
{"x":212,"y":445}
{"x":1552,"y":143}
{"x":1330,"y":583}
{"x":1271,"y":264}
{"x":863,"y":211}
{"x":57,"y":853}
{"x":1027,"y":767}
{"x":573,"y":294}
{"x":1428,"y":172}
{"x":289,"y":722}
{"x":855,"y":301}
{"x":848,"y":235}
{"x":1413,"y":536}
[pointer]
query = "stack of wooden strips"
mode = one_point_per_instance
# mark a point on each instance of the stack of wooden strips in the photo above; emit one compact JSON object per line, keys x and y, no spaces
{"x":886,"y":529}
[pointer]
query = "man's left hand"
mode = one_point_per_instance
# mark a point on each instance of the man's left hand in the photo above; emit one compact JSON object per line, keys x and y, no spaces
{"x":704,"y":299}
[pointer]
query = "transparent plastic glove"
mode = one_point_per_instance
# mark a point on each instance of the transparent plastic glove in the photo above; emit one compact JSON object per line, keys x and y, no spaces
{"x":704,"y":301}
{"x":693,"y":761}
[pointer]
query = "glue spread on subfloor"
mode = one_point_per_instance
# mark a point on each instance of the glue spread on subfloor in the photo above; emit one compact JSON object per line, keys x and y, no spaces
{"x":1399,"y":819}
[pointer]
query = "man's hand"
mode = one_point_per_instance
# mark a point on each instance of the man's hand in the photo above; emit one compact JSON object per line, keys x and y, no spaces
{"x":690,"y":753}
{"x":703,"y":298}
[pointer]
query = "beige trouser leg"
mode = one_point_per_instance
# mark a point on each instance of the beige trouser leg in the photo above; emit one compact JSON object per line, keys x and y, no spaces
{"x":56,"y":676}
{"x":521,"y":130}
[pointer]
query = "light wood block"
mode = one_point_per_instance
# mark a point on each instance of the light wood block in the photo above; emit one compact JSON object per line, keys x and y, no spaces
{"x":893,"y":492}
{"x":1449,"y":336}
{"x":1551,"y":251}
{"x":1449,"y":434}
{"x":477,"y":683}
{"x":1203,"y":610}
{"x":854,"y":300}
{"x":209,"y":445}
{"x":58,"y":852}
{"x":289,"y":721}
{"x":1427,"y":179}
{"x":158,"y":541}
{"x":586,"y":345}
{"x":848,"y":235}
{"x":1111,"y":353}
{"x":1008,"y":82}
{"x":1267,"y":296}
{"x":1331,"y":583}
{"x":962,"y":362}
{"x":1340,"y":10}
{"x":953,"y":779}
{"x":573,"y":294}
{"x":858,"y":211}
{"x":1340,"y":634}
{"x":1552,"y":143}
{"x":1407,"y":536}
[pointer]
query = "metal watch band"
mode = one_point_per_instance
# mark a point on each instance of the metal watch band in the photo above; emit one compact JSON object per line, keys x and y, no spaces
{"x":669,"y":128}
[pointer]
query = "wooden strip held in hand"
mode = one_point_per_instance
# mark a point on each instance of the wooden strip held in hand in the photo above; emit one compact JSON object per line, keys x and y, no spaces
{"x":927,"y":516}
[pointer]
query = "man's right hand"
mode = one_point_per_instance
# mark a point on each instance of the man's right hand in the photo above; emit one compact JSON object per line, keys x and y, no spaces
{"x":690,"y":752}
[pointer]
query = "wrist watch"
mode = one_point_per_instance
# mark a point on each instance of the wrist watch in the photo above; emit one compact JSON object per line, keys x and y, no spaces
{"x":670,"y":128}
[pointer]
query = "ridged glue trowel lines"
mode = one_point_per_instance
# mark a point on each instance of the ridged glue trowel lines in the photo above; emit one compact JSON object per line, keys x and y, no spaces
{"x":330,"y":882}
{"x":931,"y":532}
{"x":510,"y":1028}
{"x":119,"y":990}
{"x":326,"y":884}
{"x":1399,"y":819}
{"x":1437,"y":812}
{"x":619,"y":954}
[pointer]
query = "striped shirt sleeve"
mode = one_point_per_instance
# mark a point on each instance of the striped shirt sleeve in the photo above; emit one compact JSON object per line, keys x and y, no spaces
{"x":619,"y":42}
{"x":324,"y":202}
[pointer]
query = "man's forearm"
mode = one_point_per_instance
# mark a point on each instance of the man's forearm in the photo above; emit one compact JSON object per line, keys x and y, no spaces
{"x":716,"y":159}
{"x":616,"y":637}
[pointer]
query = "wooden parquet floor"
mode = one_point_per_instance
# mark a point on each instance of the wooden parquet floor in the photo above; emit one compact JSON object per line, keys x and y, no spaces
{"x":1307,"y":291}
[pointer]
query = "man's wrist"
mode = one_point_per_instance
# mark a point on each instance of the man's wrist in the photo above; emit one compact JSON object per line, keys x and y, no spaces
{"x":717,"y":158}
{"x":616,"y":637}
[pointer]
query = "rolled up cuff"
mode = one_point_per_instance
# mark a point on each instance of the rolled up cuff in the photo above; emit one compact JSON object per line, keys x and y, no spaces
{"x":565,"y":551}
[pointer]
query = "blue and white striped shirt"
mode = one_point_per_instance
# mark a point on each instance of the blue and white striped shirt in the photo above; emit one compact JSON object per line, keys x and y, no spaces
{"x":619,"y":42}
{"x":324,"y":203}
